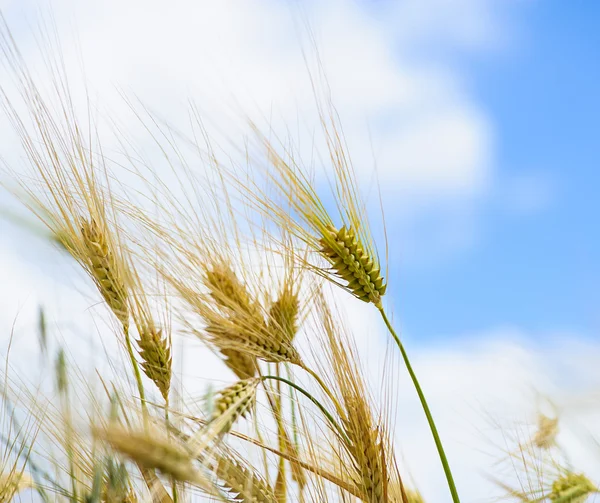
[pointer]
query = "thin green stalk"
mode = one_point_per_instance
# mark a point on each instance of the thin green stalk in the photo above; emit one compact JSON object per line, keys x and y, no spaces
{"x":327,"y":391}
{"x":313,"y":400}
{"x":433,"y":428}
{"x":136,"y":371}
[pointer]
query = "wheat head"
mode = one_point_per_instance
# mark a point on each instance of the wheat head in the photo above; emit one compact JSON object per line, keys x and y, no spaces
{"x":104,"y":270}
{"x":242,"y":482}
{"x":571,"y":488}
{"x":233,"y":402}
{"x":155,"y":352}
{"x":152,"y":451}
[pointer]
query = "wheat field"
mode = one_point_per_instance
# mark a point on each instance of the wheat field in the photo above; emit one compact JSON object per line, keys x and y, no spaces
{"x":233,"y":259}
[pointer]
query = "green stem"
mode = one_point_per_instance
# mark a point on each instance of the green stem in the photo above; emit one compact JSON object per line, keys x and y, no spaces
{"x":136,"y":371}
{"x":327,"y":391}
{"x":313,"y":400}
{"x":434,"y":432}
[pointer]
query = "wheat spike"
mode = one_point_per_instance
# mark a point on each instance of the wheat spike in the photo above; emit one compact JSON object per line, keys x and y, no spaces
{"x":243,"y":365}
{"x":242,"y":483}
{"x":156,"y":359}
{"x":153,"y":452}
{"x":353,"y":264}
{"x":105,"y":271}
{"x":365,"y":449}
{"x":251,"y":337}
{"x":571,"y":488}
{"x":545,"y":436}
{"x":234,"y":402}
{"x":228,"y":291}
{"x":283,"y":316}
{"x":231,"y":295}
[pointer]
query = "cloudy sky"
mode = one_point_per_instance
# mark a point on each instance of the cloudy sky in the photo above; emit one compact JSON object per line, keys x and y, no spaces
{"x":480,"y":119}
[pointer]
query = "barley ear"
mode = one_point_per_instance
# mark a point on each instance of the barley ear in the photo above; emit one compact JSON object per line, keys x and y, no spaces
{"x":105,"y":271}
{"x":156,"y":359}
{"x":352,"y":263}
{"x":242,"y":483}
{"x":152,"y":452}
{"x":234,"y":402}
{"x":243,"y":365}
{"x":571,"y":488}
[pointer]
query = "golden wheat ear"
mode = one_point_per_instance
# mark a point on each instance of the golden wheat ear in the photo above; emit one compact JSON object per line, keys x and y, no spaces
{"x":234,"y":402}
{"x":571,"y":488}
{"x":104,"y":269}
{"x":242,"y":482}
{"x":153,"y":451}
{"x":155,"y":352}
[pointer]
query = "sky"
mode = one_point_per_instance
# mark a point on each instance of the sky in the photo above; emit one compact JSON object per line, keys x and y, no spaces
{"x":480,"y":119}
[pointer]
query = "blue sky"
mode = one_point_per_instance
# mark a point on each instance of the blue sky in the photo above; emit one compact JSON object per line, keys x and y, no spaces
{"x":536,"y":269}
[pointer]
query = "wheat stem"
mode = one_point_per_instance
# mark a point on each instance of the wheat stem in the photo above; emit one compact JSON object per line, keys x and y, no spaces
{"x":136,"y":370}
{"x":313,"y":400}
{"x":432,"y":426}
{"x":327,"y":391}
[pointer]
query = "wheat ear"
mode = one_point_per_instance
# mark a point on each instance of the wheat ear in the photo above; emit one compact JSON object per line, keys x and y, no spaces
{"x":156,"y":359}
{"x":353,"y":264}
{"x":105,"y":271}
{"x":153,"y":452}
{"x":571,"y":488}
{"x":242,"y":483}
{"x":233,"y":402}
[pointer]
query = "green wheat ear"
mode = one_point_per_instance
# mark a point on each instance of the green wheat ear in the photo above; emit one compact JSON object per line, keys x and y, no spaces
{"x":353,"y":264}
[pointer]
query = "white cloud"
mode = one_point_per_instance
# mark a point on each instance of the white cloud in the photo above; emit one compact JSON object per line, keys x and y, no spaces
{"x":428,"y":135}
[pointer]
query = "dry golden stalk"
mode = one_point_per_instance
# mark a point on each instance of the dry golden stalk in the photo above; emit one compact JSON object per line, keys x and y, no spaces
{"x":104,"y":270}
{"x":352,"y":264}
{"x":12,"y":483}
{"x":234,"y":402}
{"x":155,"y":352}
{"x":571,"y":488}
{"x":152,"y":452}
{"x":545,"y":436}
{"x":243,"y":483}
